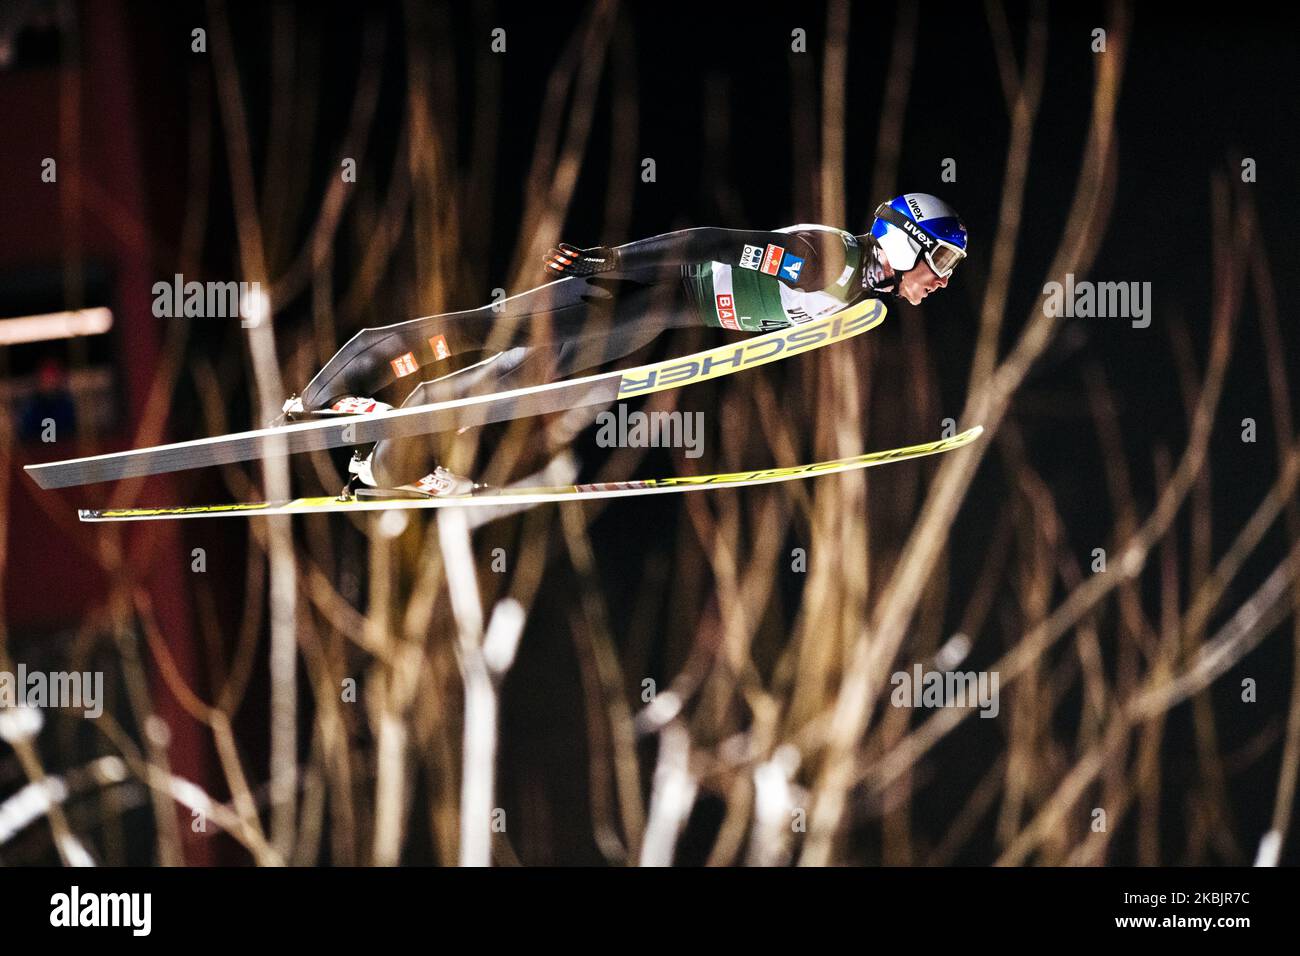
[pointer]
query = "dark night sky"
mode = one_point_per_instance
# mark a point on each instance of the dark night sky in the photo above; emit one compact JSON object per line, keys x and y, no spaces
{"x":1198,"y":93}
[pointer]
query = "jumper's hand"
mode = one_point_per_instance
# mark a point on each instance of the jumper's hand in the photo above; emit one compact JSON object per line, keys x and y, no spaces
{"x":569,"y":260}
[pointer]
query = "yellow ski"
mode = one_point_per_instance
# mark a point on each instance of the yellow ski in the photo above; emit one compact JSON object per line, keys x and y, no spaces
{"x":528,"y":496}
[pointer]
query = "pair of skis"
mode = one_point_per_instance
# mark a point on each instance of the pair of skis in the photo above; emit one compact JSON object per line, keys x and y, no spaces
{"x":599,"y":389}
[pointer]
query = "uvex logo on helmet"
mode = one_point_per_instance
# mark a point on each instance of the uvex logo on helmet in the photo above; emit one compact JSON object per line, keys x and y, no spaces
{"x":917,"y":233}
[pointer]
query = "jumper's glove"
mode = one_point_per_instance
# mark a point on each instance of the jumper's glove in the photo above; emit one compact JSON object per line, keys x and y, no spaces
{"x":569,"y":260}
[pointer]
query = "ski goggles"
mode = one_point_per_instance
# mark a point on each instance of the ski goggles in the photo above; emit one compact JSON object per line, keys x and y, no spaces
{"x":942,"y":256}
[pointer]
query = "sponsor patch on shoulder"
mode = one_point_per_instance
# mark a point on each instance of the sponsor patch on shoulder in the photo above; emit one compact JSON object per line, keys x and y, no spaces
{"x":404,"y":365}
{"x":751,"y":257}
{"x":726,"y":306}
{"x":440,"y":348}
{"x":772,"y":260}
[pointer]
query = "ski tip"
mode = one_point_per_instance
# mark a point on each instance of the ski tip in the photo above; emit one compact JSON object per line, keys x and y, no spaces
{"x":37,"y":474}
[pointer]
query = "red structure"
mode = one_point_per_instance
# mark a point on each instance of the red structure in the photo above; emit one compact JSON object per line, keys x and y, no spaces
{"x":80,"y":94}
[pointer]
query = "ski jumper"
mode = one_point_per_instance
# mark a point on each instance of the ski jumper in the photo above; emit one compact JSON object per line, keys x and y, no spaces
{"x":726,"y":278}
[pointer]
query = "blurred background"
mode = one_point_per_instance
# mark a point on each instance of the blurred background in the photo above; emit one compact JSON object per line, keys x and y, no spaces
{"x":681,"y":679}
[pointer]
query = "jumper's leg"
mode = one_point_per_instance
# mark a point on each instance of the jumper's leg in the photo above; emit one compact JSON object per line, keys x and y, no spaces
{"x":554,"y":313}
{"x":587,"y":332}
{"x":398,"y":461}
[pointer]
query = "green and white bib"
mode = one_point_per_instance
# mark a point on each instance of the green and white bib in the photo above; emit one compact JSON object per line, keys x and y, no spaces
{"x":750,"y":298}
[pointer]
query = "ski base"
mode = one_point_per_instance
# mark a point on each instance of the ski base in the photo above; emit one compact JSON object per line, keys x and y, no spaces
{"x":542,"y":495}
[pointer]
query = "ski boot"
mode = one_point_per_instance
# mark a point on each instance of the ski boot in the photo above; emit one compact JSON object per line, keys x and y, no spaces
{"x":439,"y":483}
{"x":363,"y":483}
{"x":294,"y":410}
